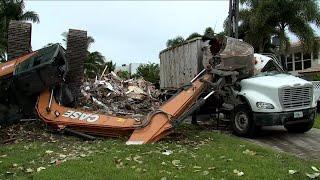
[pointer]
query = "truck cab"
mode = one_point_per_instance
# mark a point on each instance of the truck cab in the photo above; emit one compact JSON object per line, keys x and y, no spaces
{"x":273,"y":97}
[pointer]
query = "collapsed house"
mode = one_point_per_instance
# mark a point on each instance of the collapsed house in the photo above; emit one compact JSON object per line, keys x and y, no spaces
{"x":114,"y":96}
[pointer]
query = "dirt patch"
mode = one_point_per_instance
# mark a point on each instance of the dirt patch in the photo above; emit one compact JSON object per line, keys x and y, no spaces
{"x":28,"y":132}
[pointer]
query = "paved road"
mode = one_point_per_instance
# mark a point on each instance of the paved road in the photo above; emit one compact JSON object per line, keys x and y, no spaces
{"x":305,"y":145}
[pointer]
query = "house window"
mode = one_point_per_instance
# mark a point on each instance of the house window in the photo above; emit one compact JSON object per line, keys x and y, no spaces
{"x":289,"y":62}
{"x":315,"y":55}
{"x":306,"y":60}
{"x":298,"y":61}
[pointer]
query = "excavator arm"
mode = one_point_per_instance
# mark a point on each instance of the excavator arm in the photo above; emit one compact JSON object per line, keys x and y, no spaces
{"x":156,"y":125}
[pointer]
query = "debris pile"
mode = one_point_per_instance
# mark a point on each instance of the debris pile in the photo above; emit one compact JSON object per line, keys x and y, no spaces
{"x":114,"y":96}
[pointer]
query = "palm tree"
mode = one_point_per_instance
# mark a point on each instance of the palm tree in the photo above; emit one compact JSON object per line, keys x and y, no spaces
{"x":94,"y":64}
{"x":12,"y":10}
{"x":175,"y":41}
{"x":209,"y":33}
{"x":193,"y":35}
{"x":263,"y":19}
{"x":110,"y":66}
{"x":90,"y":39}
{"x":253,"y":28}
{"x":95,"y":61}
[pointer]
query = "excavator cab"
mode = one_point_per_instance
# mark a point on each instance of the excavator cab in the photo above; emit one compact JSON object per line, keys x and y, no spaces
{"x":46,"y":68}
{"x":29,"y":75}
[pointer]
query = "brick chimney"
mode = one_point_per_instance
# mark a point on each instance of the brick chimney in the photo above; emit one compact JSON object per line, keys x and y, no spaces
{"x":76,"y":54}
{"x":19,"y":39}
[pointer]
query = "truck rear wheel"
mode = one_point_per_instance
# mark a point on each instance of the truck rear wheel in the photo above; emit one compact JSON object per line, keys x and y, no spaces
{"x":301,"y":127}
{"x":242,"y":122}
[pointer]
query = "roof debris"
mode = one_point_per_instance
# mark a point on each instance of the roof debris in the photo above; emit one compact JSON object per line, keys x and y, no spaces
{"x":115,"y":96}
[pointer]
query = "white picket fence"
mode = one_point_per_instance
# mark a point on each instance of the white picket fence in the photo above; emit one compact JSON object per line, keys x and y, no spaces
{"x":316,"y":89}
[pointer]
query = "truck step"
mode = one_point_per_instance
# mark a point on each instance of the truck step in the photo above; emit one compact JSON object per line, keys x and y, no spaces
{"x":227,"y":107}
{"x":224,"y":120}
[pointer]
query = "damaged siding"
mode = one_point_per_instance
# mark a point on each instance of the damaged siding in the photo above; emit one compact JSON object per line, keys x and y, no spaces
{"x":180,"y":64}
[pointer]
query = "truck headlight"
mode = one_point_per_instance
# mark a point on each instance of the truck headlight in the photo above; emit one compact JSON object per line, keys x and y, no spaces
{"x":264,"y":105}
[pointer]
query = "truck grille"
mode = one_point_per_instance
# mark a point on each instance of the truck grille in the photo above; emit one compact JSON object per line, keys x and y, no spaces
{"x":296,"y":97}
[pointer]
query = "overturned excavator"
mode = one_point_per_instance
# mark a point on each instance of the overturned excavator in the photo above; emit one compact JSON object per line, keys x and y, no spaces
{"x":49,"y":79}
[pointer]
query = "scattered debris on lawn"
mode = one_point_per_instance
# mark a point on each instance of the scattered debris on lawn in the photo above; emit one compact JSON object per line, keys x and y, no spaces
{"x":49,"y":151}
{"x":315,"y":168}
{"x":167,"y":152}
{"x":29,"y":170}
{"x":291,"y":171}
{"x":113,"y":95}
{"x":238,"y":173}
{"x":249,"y":152}
{"x":40,"y":169}
{"x":313,"y":175}
{"x":27,"y":132}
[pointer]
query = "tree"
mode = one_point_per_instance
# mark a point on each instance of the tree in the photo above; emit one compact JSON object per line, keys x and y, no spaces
{"x":12,"y":10}
{"x":209,"y":33}
{"x":263,"y":19}
{"x":110,"y":66}
{"x":149,"y":72}
{"x":175,"y":41}
{"x":194,"y":35}
{"x":94,"y":64}
{"x":90,"y":39}
{"x":124,"y":74}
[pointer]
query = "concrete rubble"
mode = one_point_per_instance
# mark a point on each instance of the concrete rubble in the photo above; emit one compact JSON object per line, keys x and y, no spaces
{"x":114,"y":96}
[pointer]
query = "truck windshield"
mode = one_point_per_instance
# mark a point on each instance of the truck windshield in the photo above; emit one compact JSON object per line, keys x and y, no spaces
{"x":272,"y":67}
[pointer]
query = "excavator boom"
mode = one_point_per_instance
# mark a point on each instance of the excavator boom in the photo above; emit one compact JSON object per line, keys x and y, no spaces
{"x":7,"y":68}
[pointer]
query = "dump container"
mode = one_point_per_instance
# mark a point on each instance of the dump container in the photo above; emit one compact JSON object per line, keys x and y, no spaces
{"x":178,"y":65}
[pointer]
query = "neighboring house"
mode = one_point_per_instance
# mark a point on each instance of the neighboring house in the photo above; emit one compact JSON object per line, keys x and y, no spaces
{"x":307,"y":65}
{"x":297,"y":60}
{"x":130,"y":68}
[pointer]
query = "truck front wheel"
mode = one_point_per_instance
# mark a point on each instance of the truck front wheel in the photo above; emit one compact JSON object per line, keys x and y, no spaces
{"x":300,"y":127}
{"x":242,"y":122}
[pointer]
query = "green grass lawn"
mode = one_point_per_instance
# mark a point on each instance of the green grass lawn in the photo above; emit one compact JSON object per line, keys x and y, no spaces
{"x":317,"y":123}
{"x":196,"y":154}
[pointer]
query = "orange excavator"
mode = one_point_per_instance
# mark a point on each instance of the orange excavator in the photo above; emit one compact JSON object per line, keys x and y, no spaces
{"x":155,"y":126}
{"x":43,"y":73}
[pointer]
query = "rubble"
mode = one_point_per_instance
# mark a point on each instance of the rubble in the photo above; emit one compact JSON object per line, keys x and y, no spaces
{"x":114,"y":96}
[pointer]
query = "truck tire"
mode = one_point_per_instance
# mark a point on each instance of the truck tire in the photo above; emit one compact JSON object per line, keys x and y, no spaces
{"x":301,"y":127}
{"x":242,"y":122}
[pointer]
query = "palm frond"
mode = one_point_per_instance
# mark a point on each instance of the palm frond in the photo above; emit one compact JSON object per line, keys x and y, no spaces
{"x":30,"y":16}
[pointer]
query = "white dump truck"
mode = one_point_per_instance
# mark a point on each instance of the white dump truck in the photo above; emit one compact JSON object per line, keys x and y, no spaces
{"x":268,"y":97}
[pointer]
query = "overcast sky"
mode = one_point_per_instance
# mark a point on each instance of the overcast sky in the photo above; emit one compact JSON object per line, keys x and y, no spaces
{"x":126,"y":31}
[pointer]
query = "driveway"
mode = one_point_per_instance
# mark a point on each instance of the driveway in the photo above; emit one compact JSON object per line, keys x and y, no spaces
{"x":306,"y":145}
